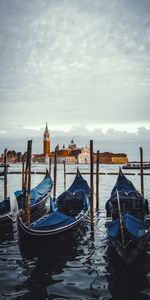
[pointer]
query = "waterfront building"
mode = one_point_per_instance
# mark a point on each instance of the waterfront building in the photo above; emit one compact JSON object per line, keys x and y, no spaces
{"x":84,"y":156}
{"x":112,"y":158}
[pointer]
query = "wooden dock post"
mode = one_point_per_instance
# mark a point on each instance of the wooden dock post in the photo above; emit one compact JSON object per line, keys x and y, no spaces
{"x":29,"y":180}
{"x":55,"y":172}
{"x":97,"y":181}
{"x":26,"y":184}
{"x":5,"y":173}
{"x":24,"y":194}
{"x":64,"y":162}
{"x":142,"y":176}
{"x":50,"y":165}
{"x":91,"y":184}
{"x":23,"y":170}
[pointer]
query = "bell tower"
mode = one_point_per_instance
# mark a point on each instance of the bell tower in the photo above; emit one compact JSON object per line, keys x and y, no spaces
{"x":46,"y":142}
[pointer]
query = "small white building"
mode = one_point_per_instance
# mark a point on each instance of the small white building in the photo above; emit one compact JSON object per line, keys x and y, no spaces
{"x":84,"y":156}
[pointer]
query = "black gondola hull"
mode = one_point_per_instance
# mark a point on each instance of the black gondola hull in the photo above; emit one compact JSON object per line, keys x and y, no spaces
{"x":37,"y":210}
{"x":32,"y":243}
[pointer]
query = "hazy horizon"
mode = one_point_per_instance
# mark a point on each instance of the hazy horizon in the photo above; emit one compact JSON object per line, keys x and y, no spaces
{"x":112,"y":140}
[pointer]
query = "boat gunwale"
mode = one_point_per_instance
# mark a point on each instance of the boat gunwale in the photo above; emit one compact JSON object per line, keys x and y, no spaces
{"x":46,"y":232}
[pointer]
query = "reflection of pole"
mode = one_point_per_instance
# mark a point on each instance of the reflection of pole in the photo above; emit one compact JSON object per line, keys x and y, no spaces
{"x":91,"y":183}
{"x":5,"y":173}
{"x":120,"y":218}
{"x":55,"y":172}
{"x":50,"y":165}
{"x":97,"y":181}
{"x":142,"y":176}
{"x":64,"y":162}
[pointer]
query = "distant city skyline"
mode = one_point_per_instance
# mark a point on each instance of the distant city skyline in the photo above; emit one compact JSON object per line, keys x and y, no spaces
{"x":111,"y":141}
{"x":82,"y":66}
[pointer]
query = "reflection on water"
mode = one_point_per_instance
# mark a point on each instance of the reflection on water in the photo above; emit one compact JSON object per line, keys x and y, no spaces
{"x":84,"y":268}
{"x":129,"y":282}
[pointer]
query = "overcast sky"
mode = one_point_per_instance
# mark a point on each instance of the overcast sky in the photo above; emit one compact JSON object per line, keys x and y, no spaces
{"x":80,"y":65}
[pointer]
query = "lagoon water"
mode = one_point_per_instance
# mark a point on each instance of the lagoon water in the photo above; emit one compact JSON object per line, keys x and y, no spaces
{"x":85,"y":268}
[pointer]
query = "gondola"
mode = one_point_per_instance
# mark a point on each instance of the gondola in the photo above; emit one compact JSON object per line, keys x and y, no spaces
{"x":127,"y":223}
{"x":10,"y":206}
{"x":67,"y":212}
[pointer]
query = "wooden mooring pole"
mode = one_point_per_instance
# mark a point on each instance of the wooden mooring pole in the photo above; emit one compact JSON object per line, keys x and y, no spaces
{"x":142,"y":177}
{"x":5,"y":173}
{"x":64,"y":162}
{"x":50,"y":165}
{"x":97,"y":181}
{"x":23,"y":170}
{"x":26,"y":185}
{"x":55,"y":172}
{"x":91,"y":184}
{"x":29,"y":180}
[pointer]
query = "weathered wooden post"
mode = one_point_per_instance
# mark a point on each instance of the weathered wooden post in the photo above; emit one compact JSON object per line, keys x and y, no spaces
{"x":29,"y":180}
{"x":26,"y":199}
{"x":5,"y":173}
{"x":55,"y":172}
{"x":142,"y":176}
{"x":91,"y":184}
{"x":50,"y":165}
{"x":23,"y":170}
{"x":97,"y":181}
{"x":64,"y":162}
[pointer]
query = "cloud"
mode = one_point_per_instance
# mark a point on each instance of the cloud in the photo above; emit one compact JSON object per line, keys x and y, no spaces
{"x":74,"y":62}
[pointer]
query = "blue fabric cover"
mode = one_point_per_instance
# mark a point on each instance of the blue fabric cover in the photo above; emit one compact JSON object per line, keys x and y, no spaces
{"x":79,"y":184}
{"x":52,"y":221}
{"x":72,"y":201}
{"x":134,"y":226}
{"x":123,"y":184}
{"x":39,"y":191}
{"x":127,"y":193}
{"x":77,"y":194}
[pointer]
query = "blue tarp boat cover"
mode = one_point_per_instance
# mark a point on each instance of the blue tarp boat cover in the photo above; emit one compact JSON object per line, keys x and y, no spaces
{"x":68,"y":205}
{"x":127,"y":193}
{"x":39,"y":191}
{"x":79,"y":184}
{"x":71,"y":203}
{"x":134,"y":226}
{"x":75,"y":198}
{"x":52,"y":221}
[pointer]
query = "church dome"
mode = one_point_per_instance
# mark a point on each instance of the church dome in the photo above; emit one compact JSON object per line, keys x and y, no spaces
{"x":72,"y":145}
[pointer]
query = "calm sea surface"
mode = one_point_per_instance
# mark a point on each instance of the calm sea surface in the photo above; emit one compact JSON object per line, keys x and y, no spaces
{"x":85,"y":268}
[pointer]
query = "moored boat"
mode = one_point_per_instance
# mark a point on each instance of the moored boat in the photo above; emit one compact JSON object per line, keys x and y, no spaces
{"x":127,"y":224}
{"x":136,"y":165}
{"x":67,"y":212}
{"x":10,"y":206}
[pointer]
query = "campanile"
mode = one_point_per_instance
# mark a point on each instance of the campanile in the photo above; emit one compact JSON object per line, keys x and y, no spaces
{"x":46,"y":142}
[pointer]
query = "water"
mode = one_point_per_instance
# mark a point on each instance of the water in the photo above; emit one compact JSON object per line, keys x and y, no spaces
{"x":85,"y":268}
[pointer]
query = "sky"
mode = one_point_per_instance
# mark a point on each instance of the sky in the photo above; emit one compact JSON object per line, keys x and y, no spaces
{"x":82,"y":66}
